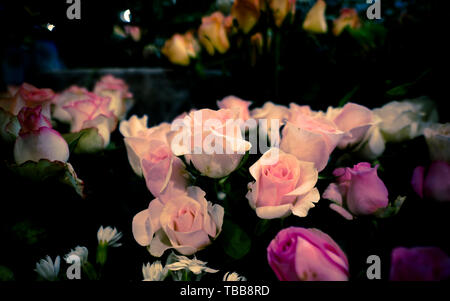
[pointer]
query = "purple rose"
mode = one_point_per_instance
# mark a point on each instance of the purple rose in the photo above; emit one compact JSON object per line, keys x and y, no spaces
{"x":299,"y":254}
{"x":357,"y":191}
{"x":419,"y":264}
{"x":433,"y":183}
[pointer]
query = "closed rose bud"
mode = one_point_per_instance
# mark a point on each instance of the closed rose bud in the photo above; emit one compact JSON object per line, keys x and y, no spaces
{"x":118,"y":92}
{"x":280,"y":9}
{"x":315,"y":21}
{"x":283,"y":185}
{"x":31,"y":97}
{"x":212,"y":33}
{"x":37,"y":140}
{"x":348,"y":17}
{"x":246,"y":12}
{"x":358,"y":191}
{"x":236,"y":104}
{"x":419,"y":264}
{"x":180,"y":49}
{"x":66,"y":97}
{"x":434,"y":182}
{"x":187,"y":223}
{"x":299,"y":254}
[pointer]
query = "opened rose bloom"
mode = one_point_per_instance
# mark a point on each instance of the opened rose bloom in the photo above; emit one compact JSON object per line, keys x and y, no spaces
{"x":315,"y":21}
{"x":310,"y":137}
{"x":211,"y":140}
{"x":419,"y":264}
{"x":280,"y":9}
{"x":347,"y":18}
{"x":235,"y":103}
{"x":28,"y":96}
{"x":432,"y":182}
{"x":438,"y":141}
{"x":283,"y":185}
{"x":37,"y":140}
{"x":271,"y":112}
{"x":246,"y":12}
{"x":212,"y":33}
{"x":118,"y":91}
{"x":92,"y":113}
{"x":358,"y":191}
{"x":299,"y":254}
{"x":187,"y":223}
{"x":71,"y":94}
{"x":180,"y":49}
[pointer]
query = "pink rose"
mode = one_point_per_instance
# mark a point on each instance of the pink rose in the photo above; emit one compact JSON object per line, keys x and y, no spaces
{"x":310,"y":137}
{"x":235,"y":103}
{"x":72,"y":94}
{"x":283,"y":184}
{"x":355,"y":121}
{"x":92,"y":112}
{"x":211,"y":140}
{"x":117,"y":90}
{"x":187,"y":223}
{"x":433,"y":183}
{"x":358,"y":189}
{"x":29,"y":96}
{"x":299,"y":254}
{"x":269,"y":112}
{"x":419,"y":264}
{"x":37,"y":140}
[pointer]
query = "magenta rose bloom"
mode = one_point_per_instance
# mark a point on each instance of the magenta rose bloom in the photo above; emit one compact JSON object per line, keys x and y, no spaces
{"x":433,"y":183}
{"x":357,"y":191}
{"x":419,"y":264}
{"x":299,"y":254}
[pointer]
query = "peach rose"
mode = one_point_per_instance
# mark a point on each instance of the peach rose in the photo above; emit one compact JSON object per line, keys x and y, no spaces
{"x":283,"y":185}
{"x":246,"y":12}
{"x":348,"y":17}
{"x":187,"y":223}
{"x":212,"y":33}
{"x":211,"y":140}
{"x":235,"y":103}
{"x":92,"y":112}
{"x":310,"y":137}
{"x":180,"y":49}
{"x":37,"y":140}
{"x":280,"y":9}
{"x":315,"y":21}
{"x":117,"y":90}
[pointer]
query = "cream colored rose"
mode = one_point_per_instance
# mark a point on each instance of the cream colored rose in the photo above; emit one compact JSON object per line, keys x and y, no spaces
{"x":438,"y":140}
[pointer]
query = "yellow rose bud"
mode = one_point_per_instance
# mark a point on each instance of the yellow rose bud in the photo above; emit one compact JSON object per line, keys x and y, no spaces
{"x":349,"y":17}
{"x":315,"y":19}
{"x":246,"y":13}
{"x":212,"y":33}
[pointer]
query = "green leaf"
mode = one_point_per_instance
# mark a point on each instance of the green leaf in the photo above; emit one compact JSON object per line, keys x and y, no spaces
{"x":348,"y":96}
{"x":235,"y":241}
{"x":392,"y":209}
{"x":73,"y":138}
{"x":6,"y":274}
{"x":262,"y":226}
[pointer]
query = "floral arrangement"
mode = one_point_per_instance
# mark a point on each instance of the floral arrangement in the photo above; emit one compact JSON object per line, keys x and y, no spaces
{"x":234,"y":183}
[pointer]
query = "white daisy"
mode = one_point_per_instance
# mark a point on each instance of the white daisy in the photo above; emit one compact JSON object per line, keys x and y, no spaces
{"x":194,"y":265}
{"x":47,"y":269}
{"x":233,"y":277}
{"x":81,"y":252}
{"x":109,"y":236}
{"x":154,"y":271}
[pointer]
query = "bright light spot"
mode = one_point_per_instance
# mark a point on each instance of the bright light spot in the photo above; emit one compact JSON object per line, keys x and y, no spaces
{"x":125,"y":16}
{"x":50,"y":26}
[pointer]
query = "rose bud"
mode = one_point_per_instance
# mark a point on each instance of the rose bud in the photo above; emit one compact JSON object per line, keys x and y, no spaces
{"x":235,"y":103}
{"x":180,"y":49}
{"x":299,"y":254}
{"x":134,"y":32}
{"x":438,"y":141}
{"x":310,"y":137}
{"x":212,"y":33}
{"x":37,"y":140}
{"x":66,"y":97}
{"x":280,"y":9}
{"x":246,"y":12}
{"x":118,"y":91}
{"x":187,"y":223}
{"x":348,"y":17}
{"x":358,"y":191}
{"x":315,"y":21}
{"x":211,"y":140}
{"x":92,"y":113}
{"x":419,"y":264}
{"x":433,"y":183}
{"x":283,"y":185}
